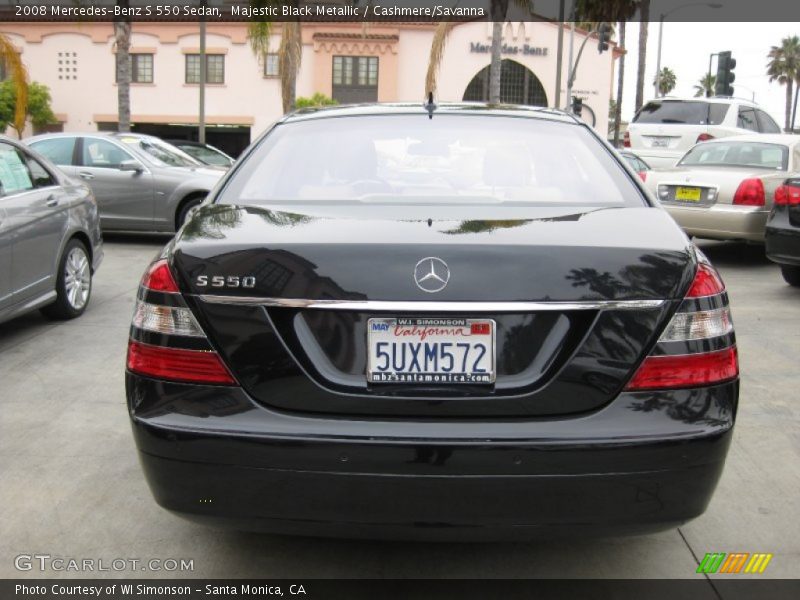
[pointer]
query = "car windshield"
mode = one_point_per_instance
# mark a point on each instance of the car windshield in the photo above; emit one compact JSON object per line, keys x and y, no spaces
{"x":447,"y":159}
{"x":163,"y":153}
{"x":738,"y":154}
{"x":208,"y":155}
{"x":682,"y":112}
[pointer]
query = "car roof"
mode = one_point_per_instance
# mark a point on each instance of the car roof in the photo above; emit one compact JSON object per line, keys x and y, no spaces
{"x":111,"y":134}
{"x":787,"y":139}
{"x":711,"y":100}
{"x":417,"y":108}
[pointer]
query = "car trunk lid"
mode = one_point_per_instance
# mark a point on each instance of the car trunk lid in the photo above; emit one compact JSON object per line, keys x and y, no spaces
{"x":577,"y":296}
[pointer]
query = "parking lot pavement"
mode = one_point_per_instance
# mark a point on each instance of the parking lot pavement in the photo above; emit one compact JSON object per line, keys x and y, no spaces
{"x":72,"y":487}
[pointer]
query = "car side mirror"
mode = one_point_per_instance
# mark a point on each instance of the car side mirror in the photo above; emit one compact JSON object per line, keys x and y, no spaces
{"x":130,"y":165}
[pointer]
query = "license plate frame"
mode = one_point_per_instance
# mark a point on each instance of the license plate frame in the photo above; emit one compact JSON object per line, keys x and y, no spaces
{"x":428,"y":333}
{"x":691,"y":194}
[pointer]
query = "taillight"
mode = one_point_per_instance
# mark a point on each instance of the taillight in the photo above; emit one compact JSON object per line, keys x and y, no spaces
{"x":626,"y":139}
{"x":166,"y":341}
{"x":787,"y":194}
{"x":697,"y":348}
{"x":177,"y":364}
{"x":159,"y":278}
{"x":643,"y":175}
{"x":704,"y":137}
{"x":750,"y":193}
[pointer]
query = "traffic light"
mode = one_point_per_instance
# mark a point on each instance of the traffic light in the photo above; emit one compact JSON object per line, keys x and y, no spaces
{"x":603,"y":35}
{"x":725,"y":75}
{"x":577,"y":106}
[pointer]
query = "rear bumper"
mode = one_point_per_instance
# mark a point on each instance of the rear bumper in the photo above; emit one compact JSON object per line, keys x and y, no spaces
{"x":645,"y":462}
{"x":721,"y":221}
{"x":782,"y":240}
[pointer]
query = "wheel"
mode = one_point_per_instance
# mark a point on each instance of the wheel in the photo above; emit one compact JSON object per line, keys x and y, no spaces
{"x":186,"y":210}
{"x":73,"y":284}
{"x":791,"y":274}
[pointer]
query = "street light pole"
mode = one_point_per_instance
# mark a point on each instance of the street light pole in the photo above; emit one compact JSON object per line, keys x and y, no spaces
{"x":713,"y":5}
{"x":201,"y":129}
{"x":559,"y":52}
{"x":658,"y":55}
{"x":710,"y":59}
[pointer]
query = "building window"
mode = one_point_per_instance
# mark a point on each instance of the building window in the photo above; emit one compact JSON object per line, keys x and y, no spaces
{"x":271,"y":65}
{"x":355,"y":79}
{"x":215,"y":68}
{"x":141,"y":68}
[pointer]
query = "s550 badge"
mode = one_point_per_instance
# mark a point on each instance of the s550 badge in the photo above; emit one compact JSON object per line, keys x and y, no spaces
{"x":222,"y":281}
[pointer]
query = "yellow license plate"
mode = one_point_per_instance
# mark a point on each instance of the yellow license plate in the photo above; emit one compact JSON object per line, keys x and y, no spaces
{"x":687,"y":194}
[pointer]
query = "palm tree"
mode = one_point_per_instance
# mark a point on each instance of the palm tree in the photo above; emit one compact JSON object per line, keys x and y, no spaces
{"x":784,"y":67}
{"x":122,"y":37}
{"x":12,"y":63}
{"x":644,"y":17}
{"x":289,"y":51}
{"x":705,"y":85}
{"x":667,"y":81}
{"x":498,"y":10}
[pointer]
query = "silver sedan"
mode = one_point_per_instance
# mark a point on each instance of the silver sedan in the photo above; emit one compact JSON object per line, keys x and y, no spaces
{"x":723,"y":189}
{"x":141,"y":182}
{"x":50,"y":242}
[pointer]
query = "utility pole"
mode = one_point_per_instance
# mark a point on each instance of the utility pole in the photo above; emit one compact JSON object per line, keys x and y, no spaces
{"x":559,"y":52}
{"x":201,"y":129}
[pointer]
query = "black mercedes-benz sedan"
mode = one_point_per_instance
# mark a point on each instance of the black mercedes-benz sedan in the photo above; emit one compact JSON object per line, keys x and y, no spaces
{"x":782,"y":237}
{"x":463,"y":323}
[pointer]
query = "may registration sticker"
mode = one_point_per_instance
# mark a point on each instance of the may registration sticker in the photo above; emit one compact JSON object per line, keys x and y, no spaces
{"x":431,"y":351}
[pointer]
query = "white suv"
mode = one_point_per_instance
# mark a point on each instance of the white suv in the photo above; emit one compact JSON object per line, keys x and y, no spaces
{"x":665,"y":128}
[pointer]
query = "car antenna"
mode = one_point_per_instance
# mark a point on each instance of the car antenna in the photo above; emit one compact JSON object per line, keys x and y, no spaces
{"x":430,"y":105}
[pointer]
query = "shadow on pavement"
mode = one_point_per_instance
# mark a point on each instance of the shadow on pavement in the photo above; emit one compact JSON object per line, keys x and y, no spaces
{"x":157,"y":239}
{"x":739,"y":254}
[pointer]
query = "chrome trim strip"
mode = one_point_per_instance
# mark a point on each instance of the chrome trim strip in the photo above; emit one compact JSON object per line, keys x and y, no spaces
{"x":432,"y":307}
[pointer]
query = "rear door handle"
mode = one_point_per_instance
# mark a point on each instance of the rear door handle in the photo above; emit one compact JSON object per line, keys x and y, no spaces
{"x":85,"y":175}
{"x":51,"y":201}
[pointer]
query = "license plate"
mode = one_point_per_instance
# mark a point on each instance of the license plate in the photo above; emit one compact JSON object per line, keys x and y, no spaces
{"x":660,"y":142}
{"x":431,"y":351}
{"x":687,"y":194}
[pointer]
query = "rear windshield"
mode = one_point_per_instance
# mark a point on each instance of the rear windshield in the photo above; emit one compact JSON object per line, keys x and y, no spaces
{"x":682,"y":112}
{"x":738,"y":154}
{"x":447,"y":159}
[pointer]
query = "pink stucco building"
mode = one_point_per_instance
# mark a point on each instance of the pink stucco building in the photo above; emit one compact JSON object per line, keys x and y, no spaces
{"x":348,"y":61}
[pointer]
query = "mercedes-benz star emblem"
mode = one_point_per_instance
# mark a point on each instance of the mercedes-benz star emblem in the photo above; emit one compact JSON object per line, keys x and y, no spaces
{"x":431,"y":274}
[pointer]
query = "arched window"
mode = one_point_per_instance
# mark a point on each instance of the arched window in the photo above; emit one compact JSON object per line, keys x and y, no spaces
{"x":518,"y":85}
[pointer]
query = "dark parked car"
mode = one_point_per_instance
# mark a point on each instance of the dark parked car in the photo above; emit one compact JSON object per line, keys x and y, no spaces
{"x":140,"y":182}
{"x":783,"y":230}
{"x":50,"y":242}
{"x":205,"y":153}
{"x":474,"y":325}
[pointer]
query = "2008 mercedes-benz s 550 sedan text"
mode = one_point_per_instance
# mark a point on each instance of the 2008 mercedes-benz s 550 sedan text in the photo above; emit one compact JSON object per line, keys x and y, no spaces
{"x":463,"y":323}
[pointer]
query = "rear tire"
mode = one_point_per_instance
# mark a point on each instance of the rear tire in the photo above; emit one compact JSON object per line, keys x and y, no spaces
{"x":791,"y":274}
{"x":186,"y":209}
{"x":73,"y":284}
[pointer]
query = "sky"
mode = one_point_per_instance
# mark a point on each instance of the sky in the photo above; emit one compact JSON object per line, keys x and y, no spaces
{"x":686,"y":47}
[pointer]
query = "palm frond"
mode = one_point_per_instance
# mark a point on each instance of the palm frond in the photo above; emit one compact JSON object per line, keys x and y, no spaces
{"x":259,"y":31}
{"x":438,"y":45}
{"x":19,"y":75}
